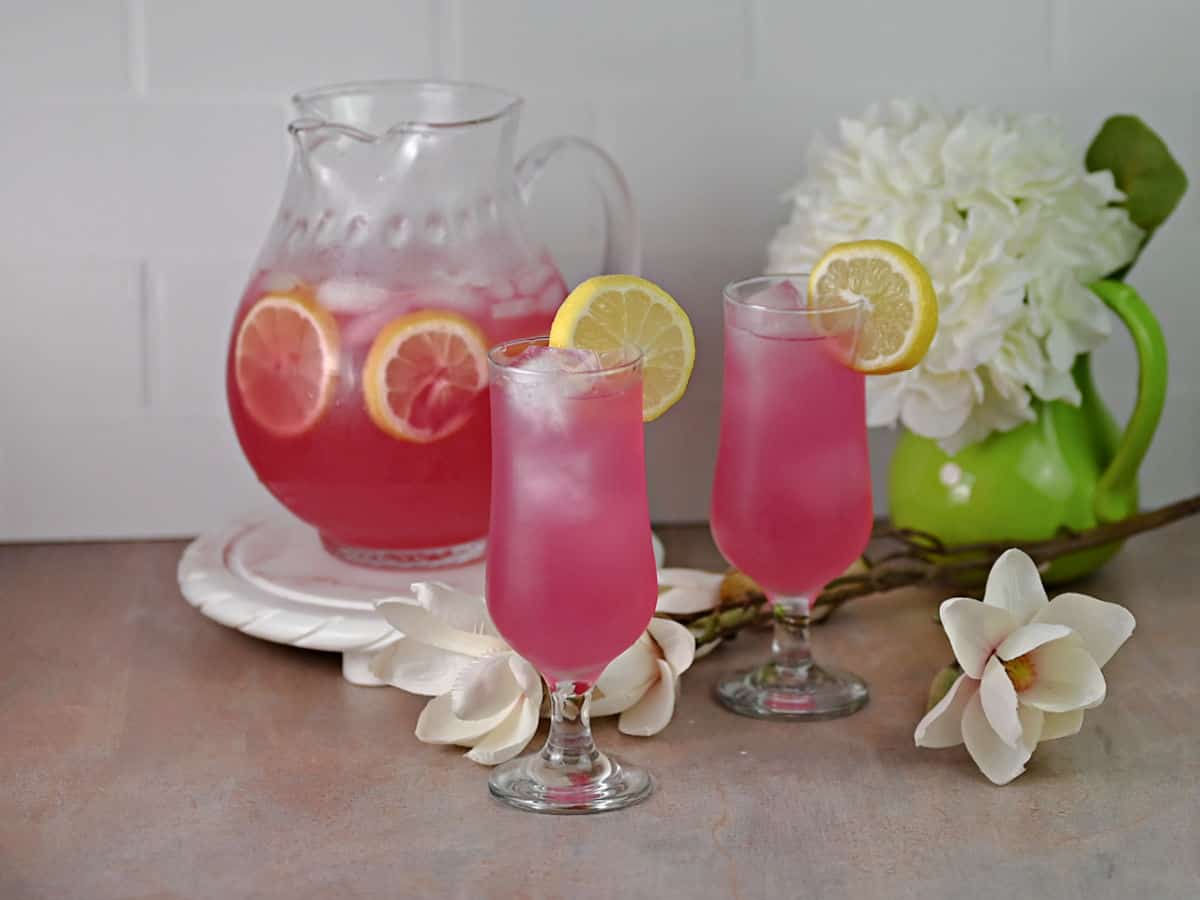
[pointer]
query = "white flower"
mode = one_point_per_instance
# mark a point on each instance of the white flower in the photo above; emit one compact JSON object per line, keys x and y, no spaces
{"x":642,"y":684}
{"x":1030,"y":667}
{"x":488,"y":698}
{"x":484,"y":696}
{"x":1011,"y":228}
{"x":688,"y":591}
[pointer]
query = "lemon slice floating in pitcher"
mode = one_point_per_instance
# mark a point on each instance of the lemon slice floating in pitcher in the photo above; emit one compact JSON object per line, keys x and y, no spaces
{"x":612,"y":311}
{"x":423,"y":373}
{"x":285,"y":362}
{"x":902,"y":311}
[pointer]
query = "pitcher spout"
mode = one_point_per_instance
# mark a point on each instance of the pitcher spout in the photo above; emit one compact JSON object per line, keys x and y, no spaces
{"x":372,"y":139}
{"x":382,"y":108}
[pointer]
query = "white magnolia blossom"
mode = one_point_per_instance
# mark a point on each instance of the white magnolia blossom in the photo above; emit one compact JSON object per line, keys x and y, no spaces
{"x":1030,"y":667}
{"x":488,"y":698}
{"x":684,"y":592}
{"x":484,"y":696}
{"x":1011,"y":227}
{"x":687,"y":591}
{"x":642,"y":684}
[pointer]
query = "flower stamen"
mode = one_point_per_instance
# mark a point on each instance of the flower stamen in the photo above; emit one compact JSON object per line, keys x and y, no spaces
{"x":1021,"y":672}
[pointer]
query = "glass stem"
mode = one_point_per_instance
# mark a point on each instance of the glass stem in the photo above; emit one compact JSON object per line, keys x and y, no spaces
{"x":570,"y":744}
{"x":789,"y":648}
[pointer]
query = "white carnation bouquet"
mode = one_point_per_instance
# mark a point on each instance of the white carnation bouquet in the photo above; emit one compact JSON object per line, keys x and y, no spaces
{"x":1011,"y":227}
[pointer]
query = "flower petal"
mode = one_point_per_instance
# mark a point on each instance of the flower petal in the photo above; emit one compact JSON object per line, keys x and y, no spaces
{"x":1030,"y":637}
{"x":688,"y":591}
{"x":942,"y":725}
{"x":356,"y":666}
{"x":690,"y":578}
{"x":677,"y":644}
{"x":999,"y":699}
{"x":418,"y":668}
{"x":437,"y":724}
{"x":624,"y":696}
{"x":416,"y":622}
{"x":461,"y":610}
{"x":508,"y":738}
{"x":1104,"y":627}
{"x":653,"y":712}
{"x":975,"y":630}
{"x":1061,"y":725}
{"x":527,"y":677}
{"x":484,"y":688}
{"x":996,"y":759}
{"x":633,"y":671}
{"x":1066,"y":677}
{"x":1014,"y":584}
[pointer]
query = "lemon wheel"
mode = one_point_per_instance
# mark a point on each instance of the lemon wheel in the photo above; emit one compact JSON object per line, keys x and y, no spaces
{"x":423,"y":373}
{"x":902,"y":311}
{"x":612,"y":311}
{"x":286,"y":362}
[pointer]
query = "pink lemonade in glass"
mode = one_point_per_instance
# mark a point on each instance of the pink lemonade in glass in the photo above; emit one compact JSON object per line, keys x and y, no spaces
{"x":571,"y":579}
{"x":365,"y":486}
{"x":792,"y":495}
{"x":791,"y":502}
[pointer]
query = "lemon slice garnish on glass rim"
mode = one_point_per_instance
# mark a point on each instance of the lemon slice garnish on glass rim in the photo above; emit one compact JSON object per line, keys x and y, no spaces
{"x":901,"y":317}
{"x":609,"y":312}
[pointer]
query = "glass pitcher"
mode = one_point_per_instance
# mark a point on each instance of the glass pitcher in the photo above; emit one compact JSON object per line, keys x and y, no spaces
{"x":357,"y":368}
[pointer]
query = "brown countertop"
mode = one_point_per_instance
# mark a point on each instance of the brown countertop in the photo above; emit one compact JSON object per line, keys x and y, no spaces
{"x":146,"y":751}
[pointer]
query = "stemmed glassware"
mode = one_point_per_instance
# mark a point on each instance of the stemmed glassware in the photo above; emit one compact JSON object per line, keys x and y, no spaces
{"x":571,"y":579}
{"x":791,"y":502}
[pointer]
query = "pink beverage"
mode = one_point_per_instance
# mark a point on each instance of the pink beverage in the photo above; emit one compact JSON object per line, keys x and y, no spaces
{"x":400,"y":253}
{"x":377,"y":493}
{"x":571,"y":580}
{"x":791,"y":499}
{"x":791,"y":503}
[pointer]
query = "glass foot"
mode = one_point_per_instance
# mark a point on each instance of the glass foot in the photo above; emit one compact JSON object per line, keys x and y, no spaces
{"x":533,"y":784}
{"x":423,"y":558}
{"x":775,"y":692}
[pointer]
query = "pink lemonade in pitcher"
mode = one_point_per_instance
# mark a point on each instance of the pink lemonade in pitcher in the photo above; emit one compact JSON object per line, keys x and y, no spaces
{"x":364,"y":409}
{"x":357,"y":369}
{"x":791,"y":501}
{"x":571,"y":579}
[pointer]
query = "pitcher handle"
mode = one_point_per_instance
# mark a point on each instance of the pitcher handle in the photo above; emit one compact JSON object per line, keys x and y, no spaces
{"x":1152,"y":392}
{"x":622,"y":240}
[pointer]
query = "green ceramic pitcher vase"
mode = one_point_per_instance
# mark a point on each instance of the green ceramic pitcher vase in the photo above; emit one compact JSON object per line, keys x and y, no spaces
{"x":1071,"y":467}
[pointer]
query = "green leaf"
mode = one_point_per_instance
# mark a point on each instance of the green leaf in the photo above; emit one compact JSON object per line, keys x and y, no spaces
{"x":1152,"y":181}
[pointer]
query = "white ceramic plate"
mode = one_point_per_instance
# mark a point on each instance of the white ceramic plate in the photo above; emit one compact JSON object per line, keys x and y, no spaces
{"x":267,"y":575}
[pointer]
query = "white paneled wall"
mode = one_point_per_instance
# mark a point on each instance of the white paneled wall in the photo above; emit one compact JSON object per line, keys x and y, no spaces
{"x":142,"y":149}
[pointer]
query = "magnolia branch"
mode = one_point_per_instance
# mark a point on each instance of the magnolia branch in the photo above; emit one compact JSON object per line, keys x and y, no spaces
{"x":912,"y":558}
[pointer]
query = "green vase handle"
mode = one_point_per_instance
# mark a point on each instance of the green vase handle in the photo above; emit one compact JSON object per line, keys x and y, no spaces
{"x":1117,"y":480}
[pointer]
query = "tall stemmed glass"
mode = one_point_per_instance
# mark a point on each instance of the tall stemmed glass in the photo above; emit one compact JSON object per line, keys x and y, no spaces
{"x":571,"y":580}
{"x":791,"y":501}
